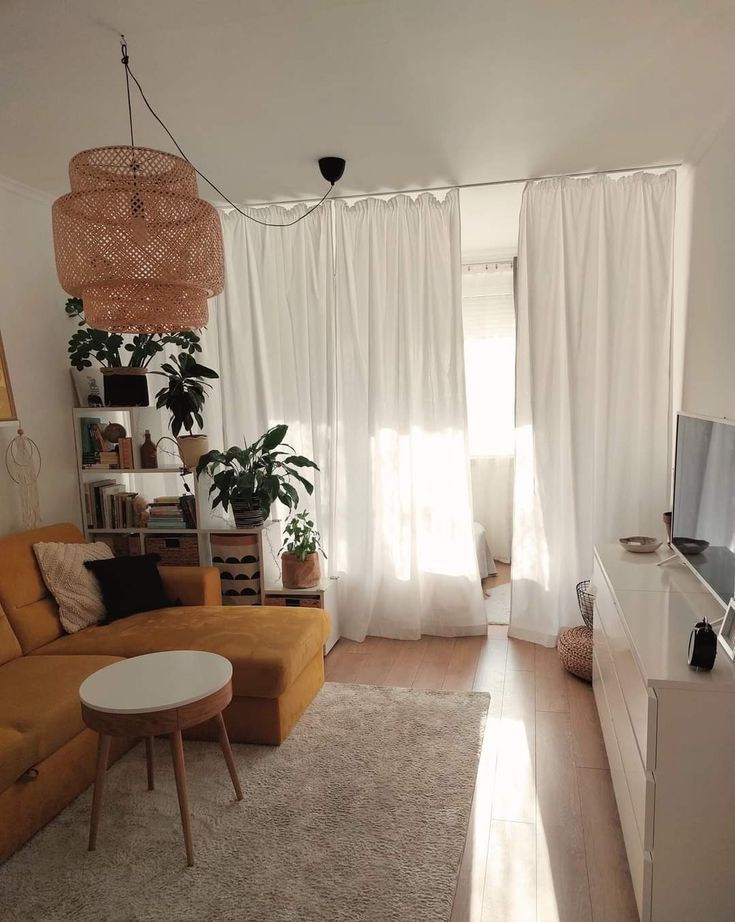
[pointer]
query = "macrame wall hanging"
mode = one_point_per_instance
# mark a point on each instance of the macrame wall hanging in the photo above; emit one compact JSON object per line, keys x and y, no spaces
{"x":23,"y":463}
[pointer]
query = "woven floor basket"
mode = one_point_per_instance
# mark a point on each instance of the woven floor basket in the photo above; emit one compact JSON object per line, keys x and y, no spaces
{"x":575,"y":651}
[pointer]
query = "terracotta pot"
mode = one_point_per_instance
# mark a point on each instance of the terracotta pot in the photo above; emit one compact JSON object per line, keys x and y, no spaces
{"x":300,"y":574}
{"x":125,"y":387}
{"x":191,"y":448}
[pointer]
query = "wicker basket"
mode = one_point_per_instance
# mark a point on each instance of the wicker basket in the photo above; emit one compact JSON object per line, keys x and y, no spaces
{"x":174,"y":550}
{"x":586,"y":599}
{"x":575,"y":651}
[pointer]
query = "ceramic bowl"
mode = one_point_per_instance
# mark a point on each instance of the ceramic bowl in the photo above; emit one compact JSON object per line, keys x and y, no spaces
{"x":690,"y":546}
{"x":640,"y":544}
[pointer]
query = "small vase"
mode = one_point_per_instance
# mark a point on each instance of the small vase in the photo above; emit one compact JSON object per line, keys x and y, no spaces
{"x":247,"y":514}
{"x":191,"y":448}
{"x":125,"y":387}
{"x":667,"y":522}
{"x":300,"y":574}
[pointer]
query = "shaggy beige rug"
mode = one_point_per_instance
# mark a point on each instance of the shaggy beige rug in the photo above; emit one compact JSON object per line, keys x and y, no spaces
{"x":360,"y":815}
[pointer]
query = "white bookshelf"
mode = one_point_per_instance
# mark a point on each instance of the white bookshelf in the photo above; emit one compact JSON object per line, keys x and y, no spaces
{"x":167,"y":481}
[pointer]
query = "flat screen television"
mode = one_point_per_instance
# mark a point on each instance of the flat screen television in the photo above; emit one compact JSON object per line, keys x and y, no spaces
{"x":703,"y":519}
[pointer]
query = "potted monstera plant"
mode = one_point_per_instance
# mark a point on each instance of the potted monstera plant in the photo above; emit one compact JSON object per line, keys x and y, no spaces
{"x":123,"y":360}
{"x":300,"y":553}
{"x":252,"y":478}
{"x":183,"y":396}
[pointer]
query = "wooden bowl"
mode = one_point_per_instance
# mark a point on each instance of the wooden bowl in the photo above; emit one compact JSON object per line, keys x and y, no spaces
{"x":640,"y":544}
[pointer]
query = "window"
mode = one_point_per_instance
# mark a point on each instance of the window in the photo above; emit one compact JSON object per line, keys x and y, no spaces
{"x":488,"y":313}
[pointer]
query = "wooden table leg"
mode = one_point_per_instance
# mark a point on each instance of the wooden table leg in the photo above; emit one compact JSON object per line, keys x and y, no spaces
{"x":177,"y":754}
{"x":103,"y":753}
{"x":224,"y":742}
{"x":149,"y":760}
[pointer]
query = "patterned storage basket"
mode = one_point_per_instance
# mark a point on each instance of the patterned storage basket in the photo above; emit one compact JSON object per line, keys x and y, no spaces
{"x":237,"y":557}
{"x":575,"y":651}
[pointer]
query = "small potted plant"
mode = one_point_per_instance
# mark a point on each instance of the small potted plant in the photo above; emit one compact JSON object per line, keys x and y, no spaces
{"x":123,"y":360}
{"x":252,"y":478}
{"x":300,"y":553}
{"x":183,"y":396}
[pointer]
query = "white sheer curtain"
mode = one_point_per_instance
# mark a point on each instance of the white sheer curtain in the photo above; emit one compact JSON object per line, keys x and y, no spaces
{"x":372,"y":387}
{"x":403,"y":512}
{"x":593,"y":383}
{"x":488,"y":313}
{"x":271,"y":337}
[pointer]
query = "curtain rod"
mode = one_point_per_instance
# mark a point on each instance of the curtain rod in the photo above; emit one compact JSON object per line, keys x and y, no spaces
{"x":470,"y":185}
{"x":505,"y":261}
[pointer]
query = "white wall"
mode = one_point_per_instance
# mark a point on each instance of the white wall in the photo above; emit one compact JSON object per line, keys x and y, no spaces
{"x":709,"y":360}
{"x":35,"y":332}
{"x":490,"y":221}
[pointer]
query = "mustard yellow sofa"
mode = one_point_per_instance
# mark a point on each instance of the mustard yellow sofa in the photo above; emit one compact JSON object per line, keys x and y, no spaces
{"x":47,"y":756}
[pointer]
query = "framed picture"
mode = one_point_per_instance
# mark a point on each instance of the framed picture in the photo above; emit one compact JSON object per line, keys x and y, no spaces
{"x":7,"y":404}
{"x":726,"y":637}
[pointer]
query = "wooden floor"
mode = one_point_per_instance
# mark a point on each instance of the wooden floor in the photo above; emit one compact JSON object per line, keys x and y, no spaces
{"x":544,"y":843}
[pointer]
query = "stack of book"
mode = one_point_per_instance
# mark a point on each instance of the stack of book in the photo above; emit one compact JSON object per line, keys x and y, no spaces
{"x":108,"y":504}
{"x":97,"y":454}
{"x":166,"y":512}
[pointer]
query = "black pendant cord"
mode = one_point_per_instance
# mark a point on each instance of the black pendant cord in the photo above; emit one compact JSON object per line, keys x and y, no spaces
{"x":129,"y":75}
{"x":125,"y":59}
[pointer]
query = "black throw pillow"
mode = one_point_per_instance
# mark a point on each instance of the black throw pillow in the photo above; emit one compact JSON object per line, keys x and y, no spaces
{"x":129,"y":585}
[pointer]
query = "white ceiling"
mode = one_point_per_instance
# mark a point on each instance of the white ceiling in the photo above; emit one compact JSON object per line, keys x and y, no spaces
{"x":413,"y":93}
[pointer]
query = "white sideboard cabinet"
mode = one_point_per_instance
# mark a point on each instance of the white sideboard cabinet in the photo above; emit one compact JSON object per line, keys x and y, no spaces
{"x":669,"y":733}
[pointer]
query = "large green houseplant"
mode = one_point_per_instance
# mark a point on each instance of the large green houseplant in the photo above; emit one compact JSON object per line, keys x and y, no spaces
{"x":252,"y":478}
{"x":183,"y":396}
{"x":124,"y":360}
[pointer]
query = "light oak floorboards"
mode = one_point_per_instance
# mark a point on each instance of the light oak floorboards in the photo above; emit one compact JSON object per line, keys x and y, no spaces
{"x":544,"y":840}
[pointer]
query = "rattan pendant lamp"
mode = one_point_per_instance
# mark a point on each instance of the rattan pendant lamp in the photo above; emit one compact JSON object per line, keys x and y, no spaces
{"x":134,"y":240}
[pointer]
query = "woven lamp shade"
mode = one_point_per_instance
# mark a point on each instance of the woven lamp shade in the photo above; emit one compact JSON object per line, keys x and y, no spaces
{"x":136,"y":243}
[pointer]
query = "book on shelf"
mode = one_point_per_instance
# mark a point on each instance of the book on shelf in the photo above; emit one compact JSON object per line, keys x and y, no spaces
{"x":93,"y":501}
{"x":110,"y":458}
{"x":88,"y":426}
{"x":189,"y":509}
{"x":108,"y":504}
{"x":125,"y":453}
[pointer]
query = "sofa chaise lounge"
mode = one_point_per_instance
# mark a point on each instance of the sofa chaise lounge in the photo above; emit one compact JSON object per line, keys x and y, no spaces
{"x":47,"y":755}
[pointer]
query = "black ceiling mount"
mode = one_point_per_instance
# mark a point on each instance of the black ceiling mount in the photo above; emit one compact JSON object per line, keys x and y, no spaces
{"x":332,"y":168}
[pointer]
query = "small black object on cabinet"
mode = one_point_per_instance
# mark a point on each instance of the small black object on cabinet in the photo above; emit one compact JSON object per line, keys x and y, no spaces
{"x":702,"y":646}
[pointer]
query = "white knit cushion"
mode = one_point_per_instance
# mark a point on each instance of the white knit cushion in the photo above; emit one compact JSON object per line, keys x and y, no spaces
{"x":74,"y":587}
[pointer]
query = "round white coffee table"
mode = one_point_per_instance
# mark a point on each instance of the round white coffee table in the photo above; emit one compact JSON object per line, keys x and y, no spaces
{"x":152,"y":695}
